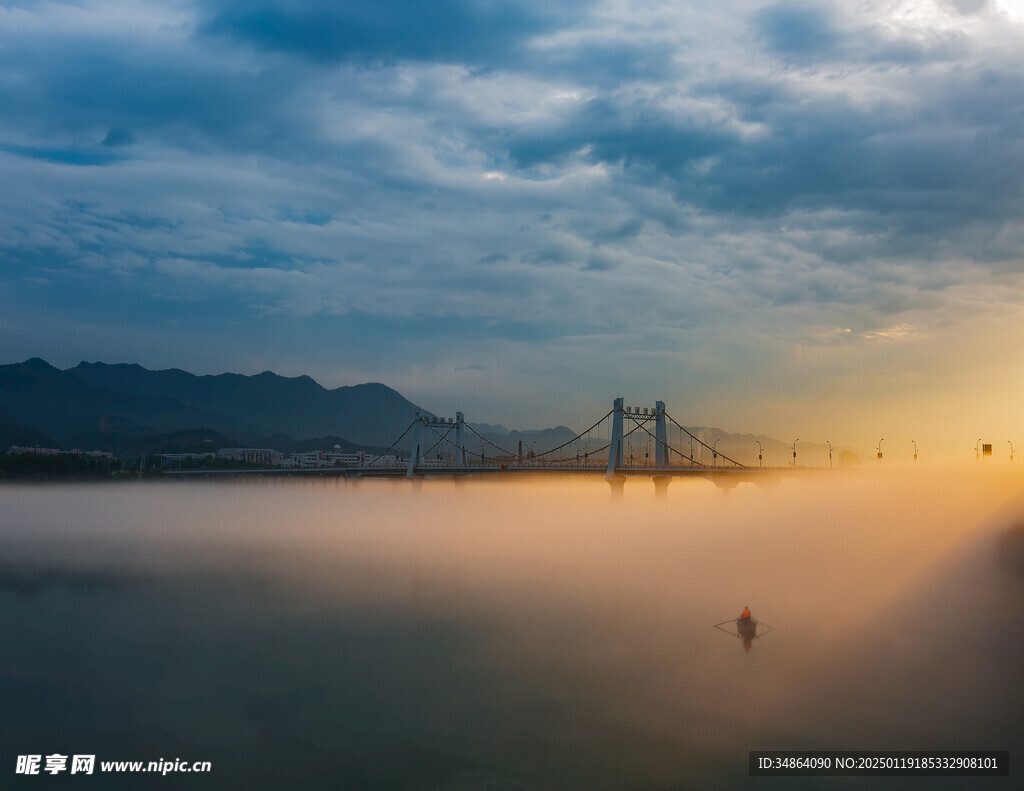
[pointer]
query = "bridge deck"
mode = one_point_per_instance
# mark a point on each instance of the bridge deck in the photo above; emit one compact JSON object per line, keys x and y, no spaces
{"x":737,"y":473}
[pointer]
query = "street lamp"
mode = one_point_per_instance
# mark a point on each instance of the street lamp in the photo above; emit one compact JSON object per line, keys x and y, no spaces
{"x":915,"y":449}
{"x":977,"y":450}
{"x":714,"y":454}
{"x":1011,"y":450}
{"x":879,"y":448}
{"x":793,"y":446}
{"x":759,"y":455}
{"x":829,"y":454}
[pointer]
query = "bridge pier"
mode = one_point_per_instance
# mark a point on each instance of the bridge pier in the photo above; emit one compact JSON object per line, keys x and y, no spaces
{"x":617,"y":484}
{"x":661,"y":483}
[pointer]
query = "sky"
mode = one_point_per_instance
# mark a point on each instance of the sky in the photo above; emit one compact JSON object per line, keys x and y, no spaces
{"x":797,"y":219}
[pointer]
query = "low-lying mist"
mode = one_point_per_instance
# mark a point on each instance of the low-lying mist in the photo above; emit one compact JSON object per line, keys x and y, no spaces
{"x":515,"y":635}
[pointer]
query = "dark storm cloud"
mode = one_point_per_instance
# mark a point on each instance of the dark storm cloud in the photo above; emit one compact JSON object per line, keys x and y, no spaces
{"x":63,"y":156}
{"x":118,"y":136}
{"x":609,"y":63}
{"x":635,"y":134}
{"x":548,"y":256}
{"x":182,"y":103}
{"x":812,"y":35}
{"x":442,"y":30}
{"x":796,"y":30}
{"x":493,"y":258}
{"x":628,"y":229}
{"x":932,"y":167}
{"x":598,"y":263}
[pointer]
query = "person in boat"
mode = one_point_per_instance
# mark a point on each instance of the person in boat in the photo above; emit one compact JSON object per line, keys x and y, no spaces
{"x":746,"y":627}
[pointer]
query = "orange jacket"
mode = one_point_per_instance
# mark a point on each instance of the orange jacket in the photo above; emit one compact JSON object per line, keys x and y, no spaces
{"x":746,"y":613}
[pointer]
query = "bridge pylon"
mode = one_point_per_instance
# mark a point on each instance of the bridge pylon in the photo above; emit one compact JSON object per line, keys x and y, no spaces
{"x":661,"y":458}
{"x":418,"y":437}
{"x":416,"y":454}
{"x":460,"y":446}
{"x":615,"y":447}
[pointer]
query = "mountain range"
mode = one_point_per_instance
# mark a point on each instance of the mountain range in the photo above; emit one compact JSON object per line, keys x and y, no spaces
{"x":128,"y":409}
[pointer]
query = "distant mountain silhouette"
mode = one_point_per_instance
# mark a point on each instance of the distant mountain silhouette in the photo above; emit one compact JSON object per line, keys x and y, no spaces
{"x":489,"y":429}
{"x":265,"y":404}
{"x":285,"y":444}
{"x":128,"y":409}
{"x":37,"y":396}
{"x":26,"y":437}
{"x":538,"y":440}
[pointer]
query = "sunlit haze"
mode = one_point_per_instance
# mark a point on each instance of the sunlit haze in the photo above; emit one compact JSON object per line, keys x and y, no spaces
{"x":385,"y":635}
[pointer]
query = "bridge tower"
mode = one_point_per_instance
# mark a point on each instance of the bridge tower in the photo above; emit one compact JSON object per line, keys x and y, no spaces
{"x":615,"y":450}
{"x":661,"y":456}
{"x":460,"y":446}
{"x":416,"y":454}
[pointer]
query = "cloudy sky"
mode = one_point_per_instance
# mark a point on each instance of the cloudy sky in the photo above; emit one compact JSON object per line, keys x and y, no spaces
{"x":803,"y":219}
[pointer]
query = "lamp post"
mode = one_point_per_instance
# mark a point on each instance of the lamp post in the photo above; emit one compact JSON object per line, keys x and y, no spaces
{"x":714,"y":454}
{"x":1011,"y":450}
{"x":879,"y":448}
{"x":829,"y":454}
{"x":759,"y":454}
{"x":977,"y":451}
{"x":915,"y":449}
{"x":794,"y":451}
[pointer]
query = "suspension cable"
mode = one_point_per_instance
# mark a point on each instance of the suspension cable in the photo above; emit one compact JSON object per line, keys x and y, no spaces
{"x":393,"y":444}
{"x":442,"y":438}
{"x":578,"y":436}
{"x":702,"y":442}
{"x":669,"y":447}
{"x":492,"y":444}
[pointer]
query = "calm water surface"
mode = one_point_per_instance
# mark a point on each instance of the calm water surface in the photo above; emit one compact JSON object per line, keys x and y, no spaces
{"x":508,"y":636}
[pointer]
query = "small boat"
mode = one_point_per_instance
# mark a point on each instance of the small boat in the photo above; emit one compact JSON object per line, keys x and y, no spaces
{"x":744,"y":628}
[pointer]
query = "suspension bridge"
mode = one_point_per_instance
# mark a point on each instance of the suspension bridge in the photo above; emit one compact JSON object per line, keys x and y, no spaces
{"x":439,"y":448}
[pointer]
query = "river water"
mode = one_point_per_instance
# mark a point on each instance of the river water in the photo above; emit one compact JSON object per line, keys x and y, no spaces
{"x":323,"y":634}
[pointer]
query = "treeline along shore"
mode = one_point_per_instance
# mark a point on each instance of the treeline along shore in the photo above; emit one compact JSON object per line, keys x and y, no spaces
{"x":57,"y":467}
{"x":84,"y":467}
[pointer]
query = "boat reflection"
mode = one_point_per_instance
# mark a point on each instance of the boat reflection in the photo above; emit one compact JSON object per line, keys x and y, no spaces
{"x":745,"y":628}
